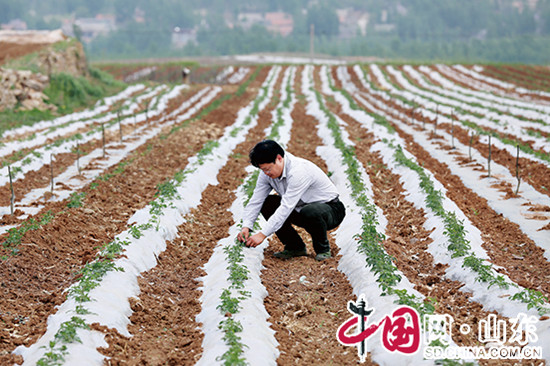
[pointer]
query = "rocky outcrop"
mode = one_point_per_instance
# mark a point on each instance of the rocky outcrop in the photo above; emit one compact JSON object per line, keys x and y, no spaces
{"x":24,"y":89}
{"x":52,"y":53}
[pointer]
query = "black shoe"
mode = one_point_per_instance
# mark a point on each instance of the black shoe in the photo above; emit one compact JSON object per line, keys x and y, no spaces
{"x":322,"y":256}
{"x":286,"y":254}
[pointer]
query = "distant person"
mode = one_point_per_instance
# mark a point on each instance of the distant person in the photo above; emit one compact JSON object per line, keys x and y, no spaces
{"x":184,"y":74}
{"x":305,"y":197}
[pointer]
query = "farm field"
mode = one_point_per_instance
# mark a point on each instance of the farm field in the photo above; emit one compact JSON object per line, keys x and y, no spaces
{"x":118,"y":242}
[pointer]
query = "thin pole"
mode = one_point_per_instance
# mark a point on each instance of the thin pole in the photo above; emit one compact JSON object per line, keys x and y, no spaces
{"x":12,"y":199}
{"x":489,"y":159}
{"x":517,"y":168}
{"x":78,"y":157}
{"x":453,"y":130}
{"x":436,"y":118}
{"x":51,"y":171}
{"x":470,"y":147}
{"x":103,"y":134}
{"x":119,"y":125}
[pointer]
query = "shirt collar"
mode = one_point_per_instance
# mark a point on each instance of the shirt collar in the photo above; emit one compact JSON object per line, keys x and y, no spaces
{"x":287,"y":164}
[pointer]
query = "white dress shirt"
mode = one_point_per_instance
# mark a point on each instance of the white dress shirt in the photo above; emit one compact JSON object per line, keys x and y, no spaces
{"x":301,"y":182}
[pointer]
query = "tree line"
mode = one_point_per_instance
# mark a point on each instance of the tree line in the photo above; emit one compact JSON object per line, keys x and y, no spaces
{"x":466,"y":30}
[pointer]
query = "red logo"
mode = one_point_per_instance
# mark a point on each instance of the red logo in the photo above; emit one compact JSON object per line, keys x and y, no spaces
{"x":400,"y":332}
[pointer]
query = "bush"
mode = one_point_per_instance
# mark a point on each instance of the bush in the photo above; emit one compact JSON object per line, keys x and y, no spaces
{"x":68,"y":92}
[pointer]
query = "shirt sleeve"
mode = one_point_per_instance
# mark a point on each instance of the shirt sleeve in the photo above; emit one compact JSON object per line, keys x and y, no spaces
{"x":252,"y":209}
{"x":297,"y":185}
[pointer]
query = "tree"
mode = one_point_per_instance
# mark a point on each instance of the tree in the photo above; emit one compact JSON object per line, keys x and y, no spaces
{"x":324,"y":19}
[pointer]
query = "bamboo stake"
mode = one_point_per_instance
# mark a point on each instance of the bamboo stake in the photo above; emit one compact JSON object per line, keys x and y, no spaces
{"x":470,"y":147}
{"x":517,"y":168}
{"x":436,"y":118}
{"x":103,"y":134}
{"x":120,"y":130}
{"x":489,"y":159}
{"x":12,"y":199}
{"x":51,"y":171}
{"x":78,"y":157}
{"x":453,"y":130}
{"x":119,"y":124}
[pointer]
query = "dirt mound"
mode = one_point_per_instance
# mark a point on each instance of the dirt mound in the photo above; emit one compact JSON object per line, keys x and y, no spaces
{"x":15,"y":44}
{"x":43,"y":52}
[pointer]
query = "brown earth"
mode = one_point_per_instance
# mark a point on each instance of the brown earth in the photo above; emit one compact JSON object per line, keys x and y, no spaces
{"x":41,"y":178}
{"x":12,"y":51}
{"x":305,"y":315}
{"x":407,"y":241}
{"x":175,"y":336}
{"x":63,"y":246}
{"x":506,"y":244}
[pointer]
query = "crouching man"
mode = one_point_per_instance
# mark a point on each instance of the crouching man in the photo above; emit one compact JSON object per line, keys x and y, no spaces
{"x":306,"y":197}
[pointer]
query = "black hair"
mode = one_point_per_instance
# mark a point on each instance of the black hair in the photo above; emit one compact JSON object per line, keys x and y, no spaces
{"x":265,"y":152}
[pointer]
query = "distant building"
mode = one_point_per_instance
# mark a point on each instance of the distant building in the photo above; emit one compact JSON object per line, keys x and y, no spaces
{"x":352,"y":22}
{"x":15,"y":24}
{"x":90,"y":28}
{"x":279,"y":22}
{"x":139,"y":15}
{"x":520,"y":5}
{"x":247,"y":20}
{"x":384,"y":26}
{"x":275,"y":22}
{"x":182,"y":36}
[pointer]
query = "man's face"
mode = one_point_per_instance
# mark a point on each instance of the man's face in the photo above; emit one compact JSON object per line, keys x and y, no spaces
{"x":273,"y":170}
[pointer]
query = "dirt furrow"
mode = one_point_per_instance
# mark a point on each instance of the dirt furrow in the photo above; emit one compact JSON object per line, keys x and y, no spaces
{"x":519,"y":77}
{"x":458,"y":77}
{"x":307,"y":299}
{"x":407,"y":240}
{"x":534,"y":173}
{"x":522,"y":260}
{"x":41,"y":178}
{"x":32,"y":282}
{"x":163,"y":326}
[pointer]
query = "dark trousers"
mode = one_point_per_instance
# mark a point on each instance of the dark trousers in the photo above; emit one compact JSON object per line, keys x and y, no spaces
{"x":316,"y":218}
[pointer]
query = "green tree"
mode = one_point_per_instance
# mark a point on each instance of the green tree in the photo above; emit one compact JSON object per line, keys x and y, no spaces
{"x":324,"y":20}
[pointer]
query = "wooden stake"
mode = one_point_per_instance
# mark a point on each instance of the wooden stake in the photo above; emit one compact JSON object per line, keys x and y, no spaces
{"x":489,"y":159}
{"x":12,"y":199}
{"x":517,"y":168}
{"x":436,"y":118}
{"x":51,"y":170}
{"x":452,"y":131}
{"x":119,"y":125}
{"x":120,"y":130}
{"x":103,"y":134}
{"x":78,"y":157}
{"x":470,"y":147}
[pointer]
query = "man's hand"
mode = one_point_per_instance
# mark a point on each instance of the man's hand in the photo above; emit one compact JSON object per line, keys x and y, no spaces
{"x":243,"y":235}
{"x":255,"y":240}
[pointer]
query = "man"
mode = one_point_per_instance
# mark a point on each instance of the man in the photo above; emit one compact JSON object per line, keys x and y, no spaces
{"x":184,"y":73}
{"x":306,"y":197}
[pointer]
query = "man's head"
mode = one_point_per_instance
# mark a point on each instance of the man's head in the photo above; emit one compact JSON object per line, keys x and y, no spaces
{"x":268,"y":156}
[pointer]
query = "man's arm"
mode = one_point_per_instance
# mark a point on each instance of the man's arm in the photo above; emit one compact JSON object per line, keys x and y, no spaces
{"x":299,"y":184}
{"x":252,"y":209}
